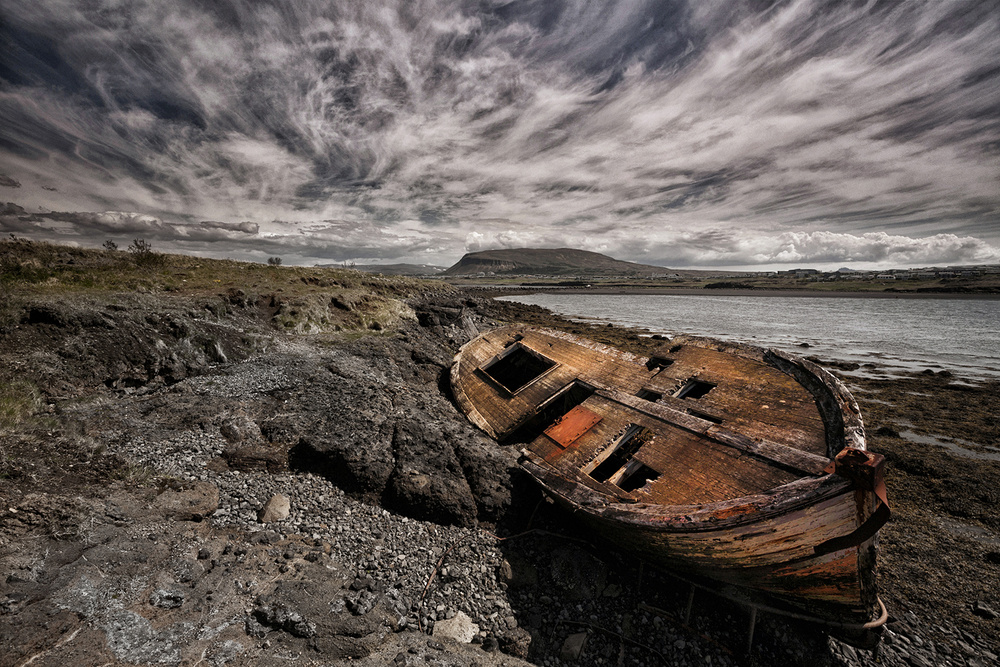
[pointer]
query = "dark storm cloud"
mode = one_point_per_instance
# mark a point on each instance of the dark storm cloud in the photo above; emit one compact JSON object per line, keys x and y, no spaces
{"x":692,"y":132}
{"x":76,"y":226}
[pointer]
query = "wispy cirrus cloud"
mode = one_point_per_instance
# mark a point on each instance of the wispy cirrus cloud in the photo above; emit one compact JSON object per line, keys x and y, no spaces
{"x":429,"y":128}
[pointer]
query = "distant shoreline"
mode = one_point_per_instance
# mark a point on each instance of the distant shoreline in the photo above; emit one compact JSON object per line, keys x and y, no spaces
{"x":758,"y":293}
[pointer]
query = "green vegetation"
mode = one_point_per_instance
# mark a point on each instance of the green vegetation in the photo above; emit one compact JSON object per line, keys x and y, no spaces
{"x":18,"y":402}
{"x":295,"y":299}
{"x":143,"y":255}
{"x":40,"y":267}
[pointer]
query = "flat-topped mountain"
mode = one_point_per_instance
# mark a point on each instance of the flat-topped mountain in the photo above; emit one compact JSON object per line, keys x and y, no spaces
{"x":550,"y":262}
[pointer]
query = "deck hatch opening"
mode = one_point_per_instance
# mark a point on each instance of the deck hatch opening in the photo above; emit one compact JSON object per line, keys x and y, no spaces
{"x":617,"y":457}
{"x":635,"y":476}
{"x":551,"y":411}
{"x":516,"y":367}
{"x":649,"y":395}
{"x":694,"y":389}
{"x":658,"y":363}
{"x":706,"y":417}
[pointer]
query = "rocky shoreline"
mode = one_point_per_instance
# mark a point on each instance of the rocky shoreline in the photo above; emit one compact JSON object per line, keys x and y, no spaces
{"x":131,"y":525}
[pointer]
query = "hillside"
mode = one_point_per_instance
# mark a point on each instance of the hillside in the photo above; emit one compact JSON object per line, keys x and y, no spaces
{"x":415,"y":270}
{"x":549,"y":262}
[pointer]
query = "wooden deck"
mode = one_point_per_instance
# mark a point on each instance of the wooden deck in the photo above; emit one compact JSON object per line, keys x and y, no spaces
{"x":713,"y":425}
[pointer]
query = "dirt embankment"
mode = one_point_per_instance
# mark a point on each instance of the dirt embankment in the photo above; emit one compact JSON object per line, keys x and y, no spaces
{"x":144,"y":435}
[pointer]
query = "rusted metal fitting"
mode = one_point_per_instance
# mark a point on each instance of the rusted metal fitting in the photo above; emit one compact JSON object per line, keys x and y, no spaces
{"x":863,"y":468}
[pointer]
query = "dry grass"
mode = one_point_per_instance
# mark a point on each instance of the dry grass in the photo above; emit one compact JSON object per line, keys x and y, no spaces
{"x":40,"y":266}
{"x":18,"y":402}
{"x":300,"y":299}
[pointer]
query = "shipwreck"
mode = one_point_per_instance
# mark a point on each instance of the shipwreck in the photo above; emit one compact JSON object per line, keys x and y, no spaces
{"x":743,"y":469}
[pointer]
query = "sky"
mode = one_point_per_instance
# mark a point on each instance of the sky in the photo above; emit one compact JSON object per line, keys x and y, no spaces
{"x":680,"y":133}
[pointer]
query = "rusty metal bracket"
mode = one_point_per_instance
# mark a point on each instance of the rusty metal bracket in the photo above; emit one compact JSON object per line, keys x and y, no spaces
{"x":865,"y":469}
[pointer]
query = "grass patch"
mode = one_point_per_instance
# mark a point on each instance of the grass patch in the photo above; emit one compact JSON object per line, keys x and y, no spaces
{"x":19,"y":400}
{"x":36,"y":266}
{"x":134,"y":474}
{"x":295,"y":299}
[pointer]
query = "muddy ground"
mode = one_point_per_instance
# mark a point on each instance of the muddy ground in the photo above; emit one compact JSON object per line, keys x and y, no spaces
{"x":129,"y":531}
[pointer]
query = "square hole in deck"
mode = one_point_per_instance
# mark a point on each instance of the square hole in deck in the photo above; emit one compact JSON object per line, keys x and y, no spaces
{"x":614,"y":464}
{"x":516,"y":367}
{"x":658,"y":363}
{"x":694,"y":389}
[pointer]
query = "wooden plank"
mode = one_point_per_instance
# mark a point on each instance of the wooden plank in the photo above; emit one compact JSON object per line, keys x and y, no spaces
{"x":693,"y":470}
{"x":776,"y":453}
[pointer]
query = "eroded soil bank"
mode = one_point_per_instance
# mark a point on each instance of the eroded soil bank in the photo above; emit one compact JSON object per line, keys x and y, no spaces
{"x":130,"y":499}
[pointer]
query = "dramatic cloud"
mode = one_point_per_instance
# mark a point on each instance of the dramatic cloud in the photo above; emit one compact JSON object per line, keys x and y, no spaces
{"x":693,"y":133}
{"x":827,"y":249}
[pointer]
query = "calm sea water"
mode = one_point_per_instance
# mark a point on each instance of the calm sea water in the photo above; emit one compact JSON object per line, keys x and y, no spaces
{"x":960,"y":335}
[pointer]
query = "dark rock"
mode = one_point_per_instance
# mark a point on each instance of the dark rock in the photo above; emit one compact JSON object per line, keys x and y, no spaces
{"x":919,"y":660}
{"x":361,"y":602}
{"x":442,"y":494}
{"x":187,"y":571}
{"x":280,"y":617}
{"x":523,"y":573}
{"x":573,"y":646}
{"x":516,"y":642}
{"x":980,"y":608}
{"x":349,"y":435}
{"x":255,"y":457}
{"x":362,"y":584}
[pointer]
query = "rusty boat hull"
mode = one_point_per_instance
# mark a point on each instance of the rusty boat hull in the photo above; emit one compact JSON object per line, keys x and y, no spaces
{"x":733,"y":464}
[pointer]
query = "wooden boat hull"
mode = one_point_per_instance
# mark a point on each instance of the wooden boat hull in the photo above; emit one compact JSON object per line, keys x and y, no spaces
{"x":740,"y":465}
{"x":776,"y":556}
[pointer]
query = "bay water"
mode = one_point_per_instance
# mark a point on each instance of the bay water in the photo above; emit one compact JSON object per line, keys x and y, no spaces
{"x":895,"y":334}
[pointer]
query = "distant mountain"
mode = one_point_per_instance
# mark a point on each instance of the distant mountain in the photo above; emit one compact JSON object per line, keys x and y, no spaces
{"x":549,"y":262}
{"x":393,"y":269}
